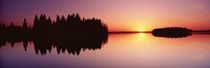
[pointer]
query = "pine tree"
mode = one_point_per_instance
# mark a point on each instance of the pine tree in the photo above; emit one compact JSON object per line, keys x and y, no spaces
{"x":25,"y":27}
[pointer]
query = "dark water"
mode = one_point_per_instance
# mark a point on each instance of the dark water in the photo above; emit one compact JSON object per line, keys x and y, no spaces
{"x":121,"y":51}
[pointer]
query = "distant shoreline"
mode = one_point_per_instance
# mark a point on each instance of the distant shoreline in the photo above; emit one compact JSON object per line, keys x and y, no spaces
{"x":119,"y":32}
{"x":202,"y":31}
{"x":124,"y":32}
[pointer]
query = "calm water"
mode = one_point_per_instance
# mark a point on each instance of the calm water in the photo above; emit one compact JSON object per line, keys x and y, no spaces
{"x":121,"y":51}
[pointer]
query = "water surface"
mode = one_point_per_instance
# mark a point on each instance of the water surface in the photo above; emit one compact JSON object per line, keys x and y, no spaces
{"x":121,"y":51}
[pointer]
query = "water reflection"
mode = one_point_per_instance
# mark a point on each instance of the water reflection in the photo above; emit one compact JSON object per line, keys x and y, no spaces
{"x":173,"y":36}
{"x":144,"y":50}
{"x":141,"y":34}
{"x":71,"y":46}
{"x":137,"y":50}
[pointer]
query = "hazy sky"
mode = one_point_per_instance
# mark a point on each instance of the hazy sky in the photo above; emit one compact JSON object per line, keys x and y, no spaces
{"x":119,"y":15}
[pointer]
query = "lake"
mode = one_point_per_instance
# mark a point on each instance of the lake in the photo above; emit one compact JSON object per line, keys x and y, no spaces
{"x":131,"y":50}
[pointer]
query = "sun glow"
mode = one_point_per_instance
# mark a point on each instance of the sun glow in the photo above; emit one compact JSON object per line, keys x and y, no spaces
{"x":141,"y":30}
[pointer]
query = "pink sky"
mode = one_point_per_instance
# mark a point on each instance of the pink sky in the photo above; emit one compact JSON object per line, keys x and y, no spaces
{"x":119,"y":15}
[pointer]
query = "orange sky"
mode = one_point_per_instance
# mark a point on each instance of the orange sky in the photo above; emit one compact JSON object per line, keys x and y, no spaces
{"x":119,"y":15}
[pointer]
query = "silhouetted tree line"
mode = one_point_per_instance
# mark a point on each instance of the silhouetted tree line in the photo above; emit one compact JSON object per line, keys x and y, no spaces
{"x":71,"y":34}
{"x":70,"y":26}
{"x":62,"y":28}
{"x":172,"y":32}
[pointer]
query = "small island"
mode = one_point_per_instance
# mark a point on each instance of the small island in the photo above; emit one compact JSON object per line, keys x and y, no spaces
{"x":172,"y":32}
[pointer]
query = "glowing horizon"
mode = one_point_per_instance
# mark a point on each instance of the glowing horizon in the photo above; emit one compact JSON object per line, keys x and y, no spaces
{"x":119,"y":15}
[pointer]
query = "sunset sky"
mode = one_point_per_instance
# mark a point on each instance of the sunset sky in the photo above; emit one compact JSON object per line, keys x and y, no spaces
{"x":119,"y":15}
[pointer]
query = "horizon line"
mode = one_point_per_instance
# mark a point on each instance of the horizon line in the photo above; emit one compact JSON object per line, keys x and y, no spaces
{"x":115,"y":32}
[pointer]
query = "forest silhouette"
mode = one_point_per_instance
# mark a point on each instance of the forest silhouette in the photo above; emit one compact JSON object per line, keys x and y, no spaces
{"x":72,"y":34}
{"x":63,"y":28}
